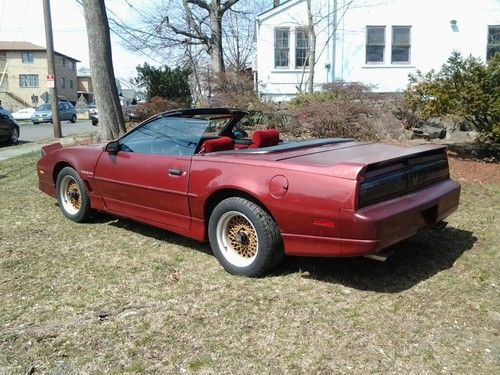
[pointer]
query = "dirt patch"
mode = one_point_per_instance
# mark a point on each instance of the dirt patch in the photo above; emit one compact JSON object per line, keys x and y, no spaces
{"x":474,"y":171}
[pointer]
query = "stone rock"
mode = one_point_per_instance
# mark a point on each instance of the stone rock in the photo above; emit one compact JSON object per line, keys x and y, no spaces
{"x":434,"y":132}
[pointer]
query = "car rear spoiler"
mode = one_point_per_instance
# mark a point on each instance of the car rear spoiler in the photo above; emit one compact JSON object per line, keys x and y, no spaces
{"x":51,"y":148}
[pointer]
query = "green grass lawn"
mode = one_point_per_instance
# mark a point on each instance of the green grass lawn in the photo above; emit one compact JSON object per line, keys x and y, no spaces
{"x":115,"y":297}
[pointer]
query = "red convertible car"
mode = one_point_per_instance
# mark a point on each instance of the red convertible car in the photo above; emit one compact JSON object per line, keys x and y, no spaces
{"x":197,"y":173}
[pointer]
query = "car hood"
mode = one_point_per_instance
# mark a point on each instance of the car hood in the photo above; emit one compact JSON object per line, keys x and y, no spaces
{"x":38,"y":113}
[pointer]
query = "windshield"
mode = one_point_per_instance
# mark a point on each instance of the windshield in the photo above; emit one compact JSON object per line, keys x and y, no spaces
{"x":172,"y":135}
{"x":44,"y":107}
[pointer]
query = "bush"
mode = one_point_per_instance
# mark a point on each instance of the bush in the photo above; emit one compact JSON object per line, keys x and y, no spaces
{"x":344,"y":109}
{"x":154,"y":106}
{"x":464,"y":88}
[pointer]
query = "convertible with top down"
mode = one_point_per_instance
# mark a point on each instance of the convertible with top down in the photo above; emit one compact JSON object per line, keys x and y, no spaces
{"x":198,"y":173}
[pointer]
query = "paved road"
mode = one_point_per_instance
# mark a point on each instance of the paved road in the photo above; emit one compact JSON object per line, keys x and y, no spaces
{"x":35,"y":136}
{"x":33,"y":133}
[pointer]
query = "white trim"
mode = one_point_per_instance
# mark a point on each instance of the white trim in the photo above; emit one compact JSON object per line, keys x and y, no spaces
{"x":271,"y":12}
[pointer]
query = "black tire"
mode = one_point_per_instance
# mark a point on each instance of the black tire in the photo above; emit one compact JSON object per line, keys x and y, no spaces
{"x":73,"y":119}
{"x":14,"y":136}
{"x":257,"y":246}
{"x":72,"y":195}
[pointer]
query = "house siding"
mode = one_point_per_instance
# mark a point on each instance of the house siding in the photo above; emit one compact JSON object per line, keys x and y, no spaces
{"x":343,"y":57}
{"x":16,"y":68}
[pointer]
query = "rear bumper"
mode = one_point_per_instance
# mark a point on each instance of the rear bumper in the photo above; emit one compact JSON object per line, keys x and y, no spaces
{"x":373,"y":228}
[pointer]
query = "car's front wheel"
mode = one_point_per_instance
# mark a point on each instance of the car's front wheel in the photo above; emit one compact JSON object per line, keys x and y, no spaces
{"x":14,"y":136}
{"x":73,"y":119}
{"x":244,"y":237}
{"x":72,"y":195}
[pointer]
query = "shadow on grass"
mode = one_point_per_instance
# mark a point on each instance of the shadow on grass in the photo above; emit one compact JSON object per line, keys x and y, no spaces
{"x":153,"y":232}
{"x":414,"y":260}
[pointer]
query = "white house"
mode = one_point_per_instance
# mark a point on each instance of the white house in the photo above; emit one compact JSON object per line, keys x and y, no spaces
{"x":377,"y":42}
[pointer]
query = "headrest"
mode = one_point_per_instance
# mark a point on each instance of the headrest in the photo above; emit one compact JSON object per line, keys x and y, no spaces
{"x":217,"y":144}
{"x":266,"y":138}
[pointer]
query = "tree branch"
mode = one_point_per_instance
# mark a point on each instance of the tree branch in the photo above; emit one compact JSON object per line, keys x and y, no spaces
{"x":228,"y":4}
{"x":200,"y":3}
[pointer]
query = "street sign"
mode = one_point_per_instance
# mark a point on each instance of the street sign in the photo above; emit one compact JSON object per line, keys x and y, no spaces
{"x":50,"y":81}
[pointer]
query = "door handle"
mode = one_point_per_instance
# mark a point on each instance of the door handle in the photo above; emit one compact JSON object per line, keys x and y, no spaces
{"x":174,"y":172}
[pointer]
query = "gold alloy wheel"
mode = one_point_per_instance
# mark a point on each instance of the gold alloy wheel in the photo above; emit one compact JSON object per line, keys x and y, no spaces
{"x":237,"y":238}
{"x":73,"y":194}
{"x":242,"y":236}
{"x":70,"y":195}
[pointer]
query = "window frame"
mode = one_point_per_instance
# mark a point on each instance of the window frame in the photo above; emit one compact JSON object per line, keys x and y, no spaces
{"x":401,"y":45}
{"x":383,"y":45}
{"x":488,"y":44}
{"x":287,"y":48}
{"x":63,"y":82}
{"x":305,"y":31}
{"x":25,"y":76}
{"x":182,"y":150}
{"x":27,"y":60}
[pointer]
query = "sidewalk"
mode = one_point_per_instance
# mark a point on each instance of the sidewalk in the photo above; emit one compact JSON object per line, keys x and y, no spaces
{"x":7,"y":152}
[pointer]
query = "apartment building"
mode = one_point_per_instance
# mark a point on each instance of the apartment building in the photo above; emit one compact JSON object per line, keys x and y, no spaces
{"x":23,"y":75}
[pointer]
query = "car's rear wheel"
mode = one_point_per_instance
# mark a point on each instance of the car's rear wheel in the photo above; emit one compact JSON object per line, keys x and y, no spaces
{"x":72,"y":195}
{"x":244,"y":237}
{"x":73,"y":119}
{"x":14,"y":136}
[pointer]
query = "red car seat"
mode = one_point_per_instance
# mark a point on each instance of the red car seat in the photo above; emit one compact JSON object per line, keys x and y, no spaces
{"x":217,"y":144}
{"x":265,"y":138}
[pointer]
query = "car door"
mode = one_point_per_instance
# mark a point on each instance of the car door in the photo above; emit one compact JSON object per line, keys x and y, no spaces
{"x":5,"y":127}
{"x":62,"y":112}
{"x":148,"y":177}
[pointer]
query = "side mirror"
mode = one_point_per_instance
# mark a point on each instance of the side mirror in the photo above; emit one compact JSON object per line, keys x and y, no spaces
{"x":113,"y":147}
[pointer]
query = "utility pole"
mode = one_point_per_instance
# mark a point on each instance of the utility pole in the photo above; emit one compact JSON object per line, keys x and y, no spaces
{"x":54,"y":100}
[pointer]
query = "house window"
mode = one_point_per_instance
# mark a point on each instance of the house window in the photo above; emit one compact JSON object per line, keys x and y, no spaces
{"x":493,"y":41}
{"x":71,"y":65}
{"x":27,"y":57}
{"x":63,"y":83}
{"x":28,"y":80}
{"x":70,"y":83}
{"x":375,"y":44}
{"x":64,"y":61}
{"x":301,"y":47}
{"x":281,"y":47}
{"x":400,"y":52}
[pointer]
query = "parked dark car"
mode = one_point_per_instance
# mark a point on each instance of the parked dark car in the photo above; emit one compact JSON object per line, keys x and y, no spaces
{"x":95,"y":119}
{"x":43,"y":113}
{"x":9,"y":130}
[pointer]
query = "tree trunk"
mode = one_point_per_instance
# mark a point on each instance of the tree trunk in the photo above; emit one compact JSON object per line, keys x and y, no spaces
{"x":312,"y":48}
{"x":216,"y":56}
{"x":111,"y":122}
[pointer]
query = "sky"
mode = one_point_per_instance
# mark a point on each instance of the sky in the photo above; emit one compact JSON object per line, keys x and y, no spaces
{"x":22,"y":20}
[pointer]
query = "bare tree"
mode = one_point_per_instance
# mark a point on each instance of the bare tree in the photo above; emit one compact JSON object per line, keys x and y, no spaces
{"x":315,"y":25}
{"x":312,"y":47}
{"x":111,"y":122}
{"x":181,"y":23}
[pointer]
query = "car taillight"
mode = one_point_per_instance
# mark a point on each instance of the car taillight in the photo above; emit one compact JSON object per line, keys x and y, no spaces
{"x":379,"y":188}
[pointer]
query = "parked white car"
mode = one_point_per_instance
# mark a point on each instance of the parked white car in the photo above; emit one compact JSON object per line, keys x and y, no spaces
{"x":23,"y":114}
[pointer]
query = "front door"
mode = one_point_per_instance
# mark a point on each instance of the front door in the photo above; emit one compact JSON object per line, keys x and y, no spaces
{"x":5,"y":127}
{"x":148,"y":177}
{"x":151,"y":187}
